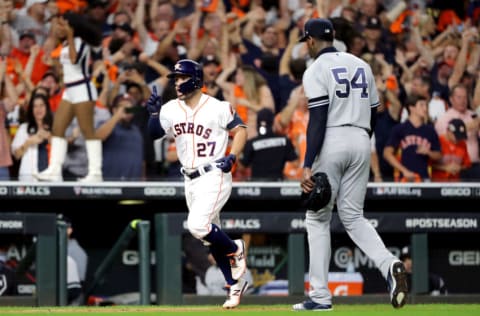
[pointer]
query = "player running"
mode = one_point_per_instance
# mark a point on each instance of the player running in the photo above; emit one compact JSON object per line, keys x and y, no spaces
{"x":342,"y":100}
{"x":200,"y":125}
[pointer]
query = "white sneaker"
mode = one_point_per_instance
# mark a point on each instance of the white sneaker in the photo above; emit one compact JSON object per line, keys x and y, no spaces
{"x":235,"y":293}
{"x":238,"y":263}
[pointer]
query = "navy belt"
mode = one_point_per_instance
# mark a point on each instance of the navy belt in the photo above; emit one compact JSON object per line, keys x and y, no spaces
{"x":351,"y":125}
{"x":76,"y":83}
{"x":197,"y":173}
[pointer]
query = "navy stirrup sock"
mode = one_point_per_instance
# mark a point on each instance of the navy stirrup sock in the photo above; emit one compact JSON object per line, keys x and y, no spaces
{"x":220,"y":246}
{"x":222,"y":243}
{"x":223,"y":262}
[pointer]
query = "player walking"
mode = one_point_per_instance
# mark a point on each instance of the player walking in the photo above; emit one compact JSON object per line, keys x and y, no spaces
{"x":342,"y":101}
{"x":200,"y":125}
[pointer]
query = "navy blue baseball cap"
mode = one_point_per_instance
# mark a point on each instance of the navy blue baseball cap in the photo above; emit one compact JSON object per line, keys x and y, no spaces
{"x":458,"y":128}
{"x":318,"y":28}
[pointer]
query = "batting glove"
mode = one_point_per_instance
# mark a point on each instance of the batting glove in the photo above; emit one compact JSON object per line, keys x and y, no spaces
{"x":154,"y":103}
{"x":226,"y":163}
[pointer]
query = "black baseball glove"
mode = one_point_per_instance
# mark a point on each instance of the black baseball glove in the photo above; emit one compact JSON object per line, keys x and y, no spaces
{"x":321,"y":194}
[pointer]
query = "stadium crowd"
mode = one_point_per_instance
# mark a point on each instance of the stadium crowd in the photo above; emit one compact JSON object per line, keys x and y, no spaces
{"x":424,"y":53}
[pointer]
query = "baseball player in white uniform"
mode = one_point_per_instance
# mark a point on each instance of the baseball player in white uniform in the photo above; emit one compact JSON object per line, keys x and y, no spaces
{"x":201,"y":125}
{"x":342,"y":101}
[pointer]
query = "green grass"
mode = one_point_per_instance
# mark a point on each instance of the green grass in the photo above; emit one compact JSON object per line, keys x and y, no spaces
{"x":247,"y":310}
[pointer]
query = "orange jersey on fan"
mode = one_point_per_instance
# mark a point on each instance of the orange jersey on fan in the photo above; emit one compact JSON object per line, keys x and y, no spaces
{"x":241,"y":110}
{"x":39,"y":68}
{"x":451,"y":153}
{"x":71,"y":5}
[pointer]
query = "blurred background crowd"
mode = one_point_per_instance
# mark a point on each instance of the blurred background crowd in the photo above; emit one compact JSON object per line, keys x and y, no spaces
{"x":424,"y":54}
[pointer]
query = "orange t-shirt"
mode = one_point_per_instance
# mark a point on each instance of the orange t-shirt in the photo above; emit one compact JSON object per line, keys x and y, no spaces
{"x":39,"y":68}
{"x":242,"y":110}
{"x":54,"y":100}
{"x":71,"y":5}
{"x":451,"y":153}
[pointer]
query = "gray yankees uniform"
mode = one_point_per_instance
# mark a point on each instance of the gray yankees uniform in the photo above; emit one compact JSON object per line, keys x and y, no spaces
{"x":341,"y":93}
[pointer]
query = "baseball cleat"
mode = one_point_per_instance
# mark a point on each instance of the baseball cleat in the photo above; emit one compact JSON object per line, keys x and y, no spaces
{"x":238,"y":263}
{"x":235,"y":293}
{"x":310,"y":305}
{"x":397,"y":284}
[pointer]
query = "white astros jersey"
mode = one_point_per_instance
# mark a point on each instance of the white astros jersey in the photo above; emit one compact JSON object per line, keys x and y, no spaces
{"x":201,"y":134}
{"x":346,"y":83}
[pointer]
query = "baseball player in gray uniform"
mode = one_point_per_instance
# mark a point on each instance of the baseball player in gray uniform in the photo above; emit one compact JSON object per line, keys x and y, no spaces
{"x":342,"y":101}
{"x":201,"y":125}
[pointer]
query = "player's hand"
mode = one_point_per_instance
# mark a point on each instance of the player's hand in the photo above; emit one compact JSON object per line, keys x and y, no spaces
{"x":307,"y":183}
{"x":154,"y":103}
{"x":226,"y":163}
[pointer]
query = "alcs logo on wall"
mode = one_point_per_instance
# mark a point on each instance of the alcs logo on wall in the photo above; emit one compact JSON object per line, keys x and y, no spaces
{"x":31,"y":191}
{"x":229,"y":223}
{"x":249,"y":223}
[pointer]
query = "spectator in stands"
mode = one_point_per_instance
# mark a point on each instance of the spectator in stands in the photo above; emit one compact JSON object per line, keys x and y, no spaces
{"x":290,"y":71}
{"x":30,"y":56}
{"x":30,"y":144}
{"x":33,"y":18}
{"x":292,"y":121}
{"x":97,"y":10}
{"x":132,"y":82}
{"x":8,"y":99}
{"x":454,"y":153}
{"x":388,"y":116}
{"x":266,"y":59}
{"x":375,"y":41}
{"x":249,"y":92}
{"x":267,"y":153}
{"x":51,"y":82}
{"x":460,"y":110}
{"x":255,"y":20}
{"x":211,"y":70}
{"x":121,"y":138}
{"x":418,"y":142}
